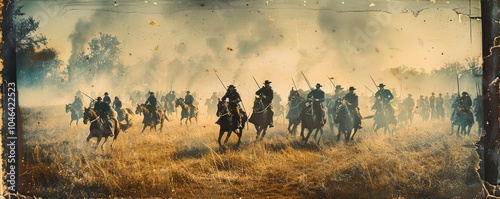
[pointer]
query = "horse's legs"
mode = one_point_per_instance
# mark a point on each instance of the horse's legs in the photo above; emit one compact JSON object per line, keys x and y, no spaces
{"x":221,"y":133}
{"x":102,"y":146}
{"x":354,"y":133}
{"x":263,"y":133}
{"x":98,"y":141}
{"x":240,"y":134}
{"x":309,"y":131}
{"x":258,"y":131}
{"x":227,"y":136}
{"x":145,"y":125}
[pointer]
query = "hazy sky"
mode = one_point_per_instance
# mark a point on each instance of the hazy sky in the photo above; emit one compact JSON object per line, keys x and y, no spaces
{"x":185,"y":41}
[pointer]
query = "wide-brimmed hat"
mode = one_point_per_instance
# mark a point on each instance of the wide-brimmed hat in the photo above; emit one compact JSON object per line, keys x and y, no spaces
{"x":106,"y":93}
{"x":99,"y":98}
{"x":188,"y":92}
{"x":230,"y":86}
{"x":352,"y":88}
{"x":409,"y":95}
{"x":381,"y":85}
{"x":339,"y":87}
{"x":267,"y":82}
{"x":151,"y":93}
{"x":319,"y":85}
{"x":465,"y":93}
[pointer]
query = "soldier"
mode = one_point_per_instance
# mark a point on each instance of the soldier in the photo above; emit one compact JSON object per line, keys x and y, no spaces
{"x":266,"y":94}
{"x":151,"y":104}
{"x":408,"y":104}
{"x":77,"y":103}
{"x":189,"y":99}
{"x":117,"y":105}
{"x":103,"y":110}
{"x":233,"y":105}
{"x":318,"y":97}
{"x":106,"y":98}
{"x":385,"y":96}
{"x":440,"y":106}
{"x":466,"y":101}
{"x":352,"y":101}
{"x":432,"y":106}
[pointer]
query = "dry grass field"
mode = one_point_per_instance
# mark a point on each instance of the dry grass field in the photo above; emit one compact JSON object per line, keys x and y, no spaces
{"x":423,"y":161}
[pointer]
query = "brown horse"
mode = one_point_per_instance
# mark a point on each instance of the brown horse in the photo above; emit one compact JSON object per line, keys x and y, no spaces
{"x":148,"y":117}
{"x":75,"y":113}
{"x":100,"y":129}
{"x":187,"y":112}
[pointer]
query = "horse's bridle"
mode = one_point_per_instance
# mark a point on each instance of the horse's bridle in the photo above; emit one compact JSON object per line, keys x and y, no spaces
{"x":224,"y":112}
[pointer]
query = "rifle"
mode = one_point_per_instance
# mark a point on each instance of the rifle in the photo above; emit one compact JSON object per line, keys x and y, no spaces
{"x":458,"y":84}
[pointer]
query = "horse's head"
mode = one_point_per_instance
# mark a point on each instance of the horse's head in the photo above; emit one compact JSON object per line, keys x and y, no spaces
{"x":88,"y":115}
{"x":340,"y":103}
{"x":140,"y":109}
{"x":180,"y":102}
{"x":294,"y":95}
{"x":68,"y":107}
{"x":222,"y":108}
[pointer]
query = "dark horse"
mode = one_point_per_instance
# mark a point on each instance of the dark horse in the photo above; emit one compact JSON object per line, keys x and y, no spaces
{"x":463,"y":119}
{"x":345,"y":118}
{"x":100,"y":128}
{"x":311,"y":122}
{"x":150,"y":119}
{"x":229,"y":122}
{"x":187,"y":111}
{"x":75,"y":113}
{"x":295,"y":105}
{"x":260,"y":117}
{"x":383,"y":117}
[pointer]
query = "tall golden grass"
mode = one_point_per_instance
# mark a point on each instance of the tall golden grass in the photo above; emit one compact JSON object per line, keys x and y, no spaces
{"x":423,"y":161}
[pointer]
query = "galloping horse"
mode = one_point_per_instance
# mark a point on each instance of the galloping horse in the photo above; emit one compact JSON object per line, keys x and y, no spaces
{"x":405,"y":116}
{"x":187,"y":112}
{"x":311,"y":122}
{"x":229,"y":122}
{"x":331,"y":113}
{"x":124,"y":114}
{"x":148,"y":117}
{"x":100,"y":129}
{"x":75,"y":113}
{"x":168,"y":106}
{"x":295,"y":105}
{"x":259,"y":117}
{"x":383,"y":118}
{"x":279,"y":112}
{"x":345,"y":118}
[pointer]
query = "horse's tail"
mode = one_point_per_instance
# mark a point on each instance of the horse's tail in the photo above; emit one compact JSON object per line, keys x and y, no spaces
{"x":117,"y":126}
{"x":129,"y":111}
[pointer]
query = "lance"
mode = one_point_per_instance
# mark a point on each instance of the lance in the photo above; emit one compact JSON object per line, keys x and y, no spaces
{"x":330,"y":79}
{"x":308,"y":84}
{"x":88,"y":96}
{"x":294,"y":85}
{"x":369,"y":89}
{"x":256,"y":82}
{"x":458,"y":84}
{"x":374,"y":82}
{"x":220,"y":81}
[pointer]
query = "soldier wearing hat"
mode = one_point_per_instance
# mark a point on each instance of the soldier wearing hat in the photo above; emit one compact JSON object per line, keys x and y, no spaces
{"x":385,"y":96}
{"x":234,"y":99}
{"x":318,"y":97}
{"x":409,"y":104}
{"x":266,"y":94}
{"x":103,"y":110}
{"x":151,"y":104}
{"x":432,"y":105}
{"x":169,"y":98}
{"x":106,"y":98}
{"x":77,"y":104}
{"x":189,"y":99}
{"x":466,"y":101}
{"x":352,"y":101}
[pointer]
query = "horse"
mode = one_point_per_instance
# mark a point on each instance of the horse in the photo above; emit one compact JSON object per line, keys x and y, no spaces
{"x":279,"y":112}
{"x":100,"y":129}
{"x":311,"y":122}
{"x":295,"y":105}
{"x":259,"y":117}
{"x":229,"y":122}
{"x":331,"y":114}
{"x":148,"y":117}
{"x":168,"y":106}
{"x":405,"y":116}
{"x":187,"y":111}
{"x":383,"y":118}
{"x":124,"y":113}
{"x":463,"y":119}
{"x":345,"y":118}
{"x":75,"y":113}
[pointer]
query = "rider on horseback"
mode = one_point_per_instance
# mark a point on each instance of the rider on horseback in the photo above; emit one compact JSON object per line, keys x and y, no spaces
{"x":77,"y":104}
{"x":385,"y":96}
{"x":151,"y":103}
{"x":106,"y":98}
{"x":234,"y":100}
{"x":189,"y":99}
{"x":266,"y":94}
{"x":352,"y":103}
{"x":466,"y":101}
{"x":318,"y":97}
{"x":117,"y":105}
{"x":103,"y":110}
